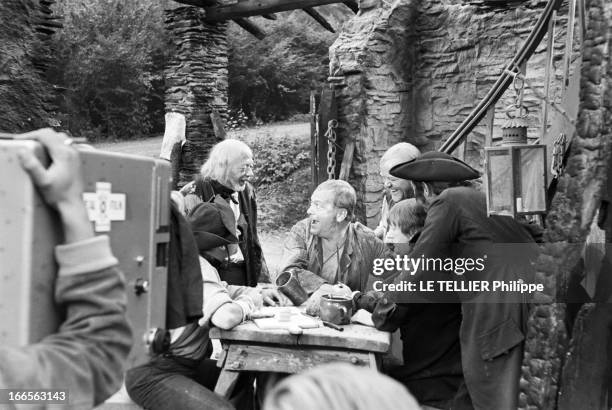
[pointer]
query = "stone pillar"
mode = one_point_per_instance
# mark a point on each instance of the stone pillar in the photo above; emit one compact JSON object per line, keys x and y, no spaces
{"x":197,"y":82}
{"x":26,"y":98}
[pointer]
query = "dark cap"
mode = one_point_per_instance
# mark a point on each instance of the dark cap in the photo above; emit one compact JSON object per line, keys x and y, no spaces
{"x":212,"y":225}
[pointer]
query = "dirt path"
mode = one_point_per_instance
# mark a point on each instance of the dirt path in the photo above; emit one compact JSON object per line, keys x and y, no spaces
{"x":150,"y":147}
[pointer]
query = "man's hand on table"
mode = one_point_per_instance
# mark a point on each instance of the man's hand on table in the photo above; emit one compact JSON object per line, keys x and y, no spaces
{"x":313,"y":303}
{"x":272,"y":297}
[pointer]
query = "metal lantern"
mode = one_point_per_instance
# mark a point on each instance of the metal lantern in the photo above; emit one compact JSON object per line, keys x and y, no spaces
{"x":515,"y":173}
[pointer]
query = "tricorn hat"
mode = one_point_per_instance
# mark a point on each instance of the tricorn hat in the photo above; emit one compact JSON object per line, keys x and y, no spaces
{"x":435,"y":166}
{"x":213,"y":224}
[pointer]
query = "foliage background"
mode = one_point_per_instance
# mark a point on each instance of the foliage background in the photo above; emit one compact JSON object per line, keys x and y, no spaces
{"x":110,"y":60}
{"x":271,"y":79}
{"x":111,"y":54}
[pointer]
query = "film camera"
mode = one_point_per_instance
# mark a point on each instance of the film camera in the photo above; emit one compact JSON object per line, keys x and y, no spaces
{"x":127,"y":197}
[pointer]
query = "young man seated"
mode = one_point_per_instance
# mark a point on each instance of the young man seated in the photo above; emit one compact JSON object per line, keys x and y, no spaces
{"x":183,"y":377}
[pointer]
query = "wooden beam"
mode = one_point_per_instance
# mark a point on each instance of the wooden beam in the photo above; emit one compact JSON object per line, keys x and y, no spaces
{"x":248,"y":8}
{"x":250,"y":27}
{"x":318,"y":17}
{"x":351,"y":4}
{"x":197,"y":3}
{"x":269,"y":16}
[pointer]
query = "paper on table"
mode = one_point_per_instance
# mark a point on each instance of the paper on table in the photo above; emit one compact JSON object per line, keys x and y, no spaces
{"x":301,"y":321}
{"x":363,"y":317}
{"x":297,"y":319}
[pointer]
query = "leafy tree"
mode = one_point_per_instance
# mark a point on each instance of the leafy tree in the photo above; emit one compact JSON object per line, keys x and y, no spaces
{"x":271,"y":79}
{"x":110,"y":59}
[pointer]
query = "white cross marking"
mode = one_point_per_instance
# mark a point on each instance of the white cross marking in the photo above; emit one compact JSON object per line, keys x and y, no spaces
{"x":104,"y":206}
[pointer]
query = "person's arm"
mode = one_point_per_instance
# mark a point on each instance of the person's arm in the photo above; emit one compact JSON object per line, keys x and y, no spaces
{"x":222,"y":307}
{"x":87,"y":354}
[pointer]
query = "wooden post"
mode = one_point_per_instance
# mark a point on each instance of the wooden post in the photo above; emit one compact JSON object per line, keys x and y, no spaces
{"x":314,"y":140}
{"x":217,"y":124}
{"x":347,"y":160}
{"x":490,"y":121}
{"x":174,"y":133}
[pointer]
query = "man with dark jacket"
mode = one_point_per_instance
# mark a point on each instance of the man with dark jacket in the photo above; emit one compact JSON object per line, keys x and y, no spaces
{"x":493,"y":323}
{"x":328,"y":248}
{"x":225,"y":178}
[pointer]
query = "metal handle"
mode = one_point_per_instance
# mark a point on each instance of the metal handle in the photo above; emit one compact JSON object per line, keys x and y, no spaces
{"x":141,"y":286}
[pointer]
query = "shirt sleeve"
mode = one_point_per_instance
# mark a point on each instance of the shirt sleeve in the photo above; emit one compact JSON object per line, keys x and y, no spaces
{"x":214,"y":290}
{"x":88,"y":353}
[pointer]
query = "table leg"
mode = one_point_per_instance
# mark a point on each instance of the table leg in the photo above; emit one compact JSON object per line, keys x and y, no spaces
{"x":374,"y":362}
{"x":226,"y":383}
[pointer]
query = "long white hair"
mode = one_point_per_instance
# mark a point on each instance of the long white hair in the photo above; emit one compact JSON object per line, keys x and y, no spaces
{"x":223,"y":154}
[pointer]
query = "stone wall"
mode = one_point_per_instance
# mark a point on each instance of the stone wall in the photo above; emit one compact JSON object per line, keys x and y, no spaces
{"x":418,"y":80}
{"x":413,"y":70}
{"x":196,"y":81}
{"x":26,"y":98}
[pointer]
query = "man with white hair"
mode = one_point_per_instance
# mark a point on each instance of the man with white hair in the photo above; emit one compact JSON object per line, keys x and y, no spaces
{"x":224,"y":178}
{"x":396,"y":189}
{"x":328,"y":248}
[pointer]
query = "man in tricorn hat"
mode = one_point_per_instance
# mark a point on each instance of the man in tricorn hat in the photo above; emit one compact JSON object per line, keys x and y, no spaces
{"x":458,"y":228}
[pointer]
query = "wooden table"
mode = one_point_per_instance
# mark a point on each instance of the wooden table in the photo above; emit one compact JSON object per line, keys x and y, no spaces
{"x":249,"y":348}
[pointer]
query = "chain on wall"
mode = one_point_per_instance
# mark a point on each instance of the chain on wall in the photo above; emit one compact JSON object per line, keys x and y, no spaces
{"x":330,"y":134}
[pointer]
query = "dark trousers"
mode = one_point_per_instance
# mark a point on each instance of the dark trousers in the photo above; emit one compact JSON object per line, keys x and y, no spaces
{"x":169,"y":382}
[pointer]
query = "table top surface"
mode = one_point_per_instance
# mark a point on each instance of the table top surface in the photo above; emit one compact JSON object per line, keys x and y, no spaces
{"x":353,"y":337}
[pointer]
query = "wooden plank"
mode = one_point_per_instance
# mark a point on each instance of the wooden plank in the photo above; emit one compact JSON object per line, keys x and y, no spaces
{"x":354,"y":337}
{"x":250,"y":27}
{"x":226,"y":383}
{"x":174,"y":133}
{"x":347,"y":160}
{"x":314,"y":163}
{"x":547,"y":70}
{"x":490,"y":122}
{"x":277,"y":359}
{"x":248,"y":8}
{"x":222,"y":356}
{"x":197,"y":3}
{"x":217,"y":123}
{"x":569,"y":43}
{"x":175,"y":163}
{"x":318,"y":17}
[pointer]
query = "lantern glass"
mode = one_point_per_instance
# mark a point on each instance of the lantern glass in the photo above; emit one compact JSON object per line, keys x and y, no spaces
{"x":516,"y":179}
{"x":532,"y":199}
{"x":500,"y":183}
